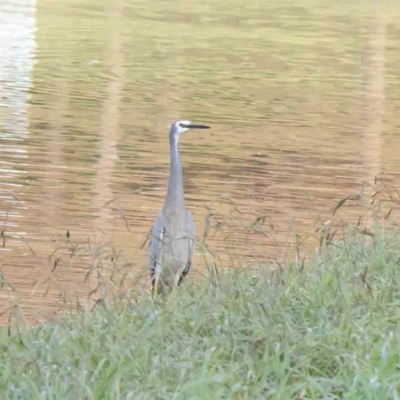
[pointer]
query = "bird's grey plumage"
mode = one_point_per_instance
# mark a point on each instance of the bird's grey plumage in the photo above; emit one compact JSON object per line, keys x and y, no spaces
{"x":172,"y":236}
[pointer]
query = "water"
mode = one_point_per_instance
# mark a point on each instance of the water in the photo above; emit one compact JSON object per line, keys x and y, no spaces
{"x":302,"y":101}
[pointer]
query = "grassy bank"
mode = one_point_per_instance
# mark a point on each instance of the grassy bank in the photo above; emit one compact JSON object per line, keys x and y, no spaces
{"x":328,"y":329}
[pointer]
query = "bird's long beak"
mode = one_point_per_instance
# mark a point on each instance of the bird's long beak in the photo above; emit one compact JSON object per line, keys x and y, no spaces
{"x":196,"y":126}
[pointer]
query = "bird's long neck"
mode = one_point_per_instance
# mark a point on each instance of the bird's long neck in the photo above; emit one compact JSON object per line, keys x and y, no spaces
{"x":175,"y":198}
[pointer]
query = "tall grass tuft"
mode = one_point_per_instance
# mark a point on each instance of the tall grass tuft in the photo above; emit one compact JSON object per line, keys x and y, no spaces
{"x":323,"y":325}
{"x":328,"y":328}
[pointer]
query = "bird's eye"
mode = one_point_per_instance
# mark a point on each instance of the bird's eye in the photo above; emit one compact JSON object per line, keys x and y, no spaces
{"x":181,"y":125}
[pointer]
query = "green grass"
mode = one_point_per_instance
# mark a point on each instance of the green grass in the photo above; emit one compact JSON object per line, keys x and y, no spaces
{"x":329,"y":330}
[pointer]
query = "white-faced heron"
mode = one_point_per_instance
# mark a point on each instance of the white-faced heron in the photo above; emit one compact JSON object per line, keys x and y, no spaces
{"x":172,"y":236}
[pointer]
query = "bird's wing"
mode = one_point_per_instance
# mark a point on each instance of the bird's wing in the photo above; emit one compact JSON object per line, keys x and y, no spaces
{"x":157,"y":233}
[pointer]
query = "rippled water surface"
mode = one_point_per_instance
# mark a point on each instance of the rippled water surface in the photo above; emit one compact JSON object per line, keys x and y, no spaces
{"x":303,"y":102}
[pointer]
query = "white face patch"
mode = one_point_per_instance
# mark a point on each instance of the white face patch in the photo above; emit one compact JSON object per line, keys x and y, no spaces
{"x":180,"y":126}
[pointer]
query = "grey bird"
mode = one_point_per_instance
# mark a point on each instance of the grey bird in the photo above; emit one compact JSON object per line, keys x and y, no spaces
{"x":172,"y":235}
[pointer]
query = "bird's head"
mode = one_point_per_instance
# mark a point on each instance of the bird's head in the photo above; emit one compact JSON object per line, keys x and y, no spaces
{"x":182,"y":126}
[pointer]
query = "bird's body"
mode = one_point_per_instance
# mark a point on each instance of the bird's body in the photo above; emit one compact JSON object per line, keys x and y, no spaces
{"x":172,"y":236}
{"x":172,"y":245}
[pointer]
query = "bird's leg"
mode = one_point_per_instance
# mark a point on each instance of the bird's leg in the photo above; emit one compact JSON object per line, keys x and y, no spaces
{"x":177,"y":278}
{"x":157,"y":268}
{"x":154,"y":285}
{"x":178,"y":275}
{"x":173,"y":295}
{"x":156,"y":279}
{"x":154,"y":289}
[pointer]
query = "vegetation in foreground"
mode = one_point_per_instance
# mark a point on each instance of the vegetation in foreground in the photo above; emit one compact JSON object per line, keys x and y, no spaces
{"x":328,"y":329}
